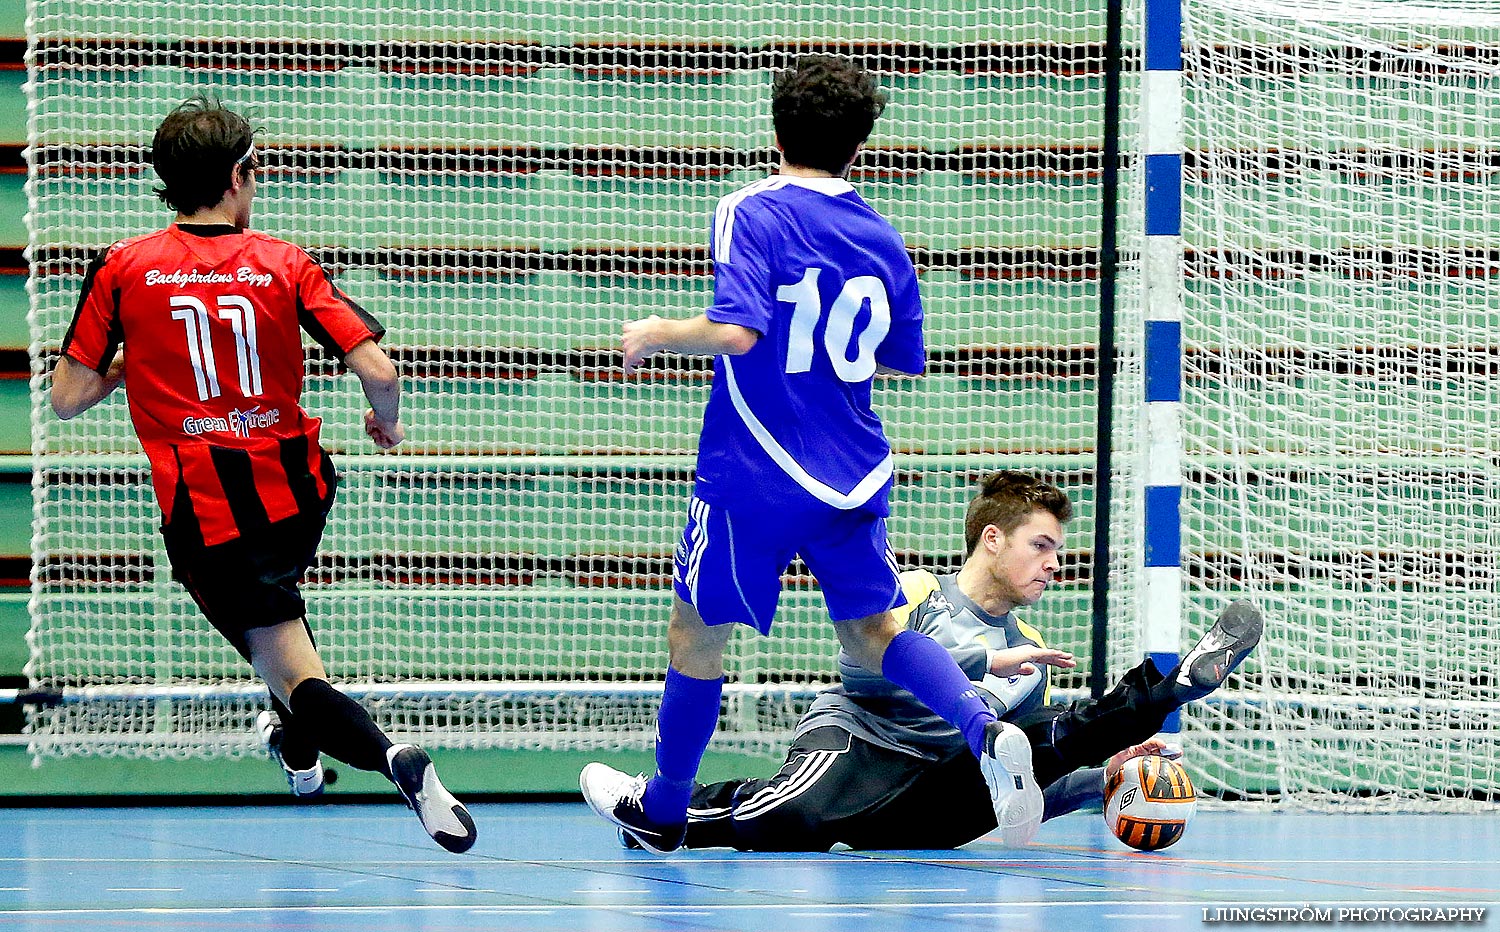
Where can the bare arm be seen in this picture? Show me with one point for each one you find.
(382, 386)
(76, 387)
(695, 336)
(1021, 661)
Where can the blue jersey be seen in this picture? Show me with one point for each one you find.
(827, 283)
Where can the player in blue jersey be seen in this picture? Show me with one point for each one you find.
(872, 768)
(813, 295)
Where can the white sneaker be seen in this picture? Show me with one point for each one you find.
(616, 797)
(1006, 765)
(442, 815)
(305, 784)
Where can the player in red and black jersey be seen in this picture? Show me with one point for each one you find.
(211, 313)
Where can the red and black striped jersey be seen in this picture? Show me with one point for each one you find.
(211, 318)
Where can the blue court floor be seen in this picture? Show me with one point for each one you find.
(557, 867)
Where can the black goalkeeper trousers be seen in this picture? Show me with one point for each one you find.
(837, 788)
(1086, 731)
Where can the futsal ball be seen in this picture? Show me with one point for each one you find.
(1149, 803)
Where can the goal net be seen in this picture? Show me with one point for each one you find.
(1342, 225)
(504, 185)
(504, 188)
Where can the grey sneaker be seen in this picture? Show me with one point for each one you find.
(1231, 639)
(305, 784)
(616, 797)
(443, 816)
(1006, 765)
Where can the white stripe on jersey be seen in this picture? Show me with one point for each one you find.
(724, 213)
(827, 494)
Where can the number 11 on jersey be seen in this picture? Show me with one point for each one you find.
(241, 316)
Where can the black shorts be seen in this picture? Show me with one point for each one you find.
(252, 581)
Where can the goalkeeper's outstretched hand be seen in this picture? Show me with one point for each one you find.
(1021, 661)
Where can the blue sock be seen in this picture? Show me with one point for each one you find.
(917, 663)
(684, 725)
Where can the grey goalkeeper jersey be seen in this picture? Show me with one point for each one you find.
(873, 708)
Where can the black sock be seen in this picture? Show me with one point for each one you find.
(298, 750)
(341, 726)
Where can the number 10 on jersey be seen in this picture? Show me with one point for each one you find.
(241, 316)
(807, 304)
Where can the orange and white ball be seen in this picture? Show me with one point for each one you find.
(1149, 803)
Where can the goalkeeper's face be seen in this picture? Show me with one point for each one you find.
(1025, 561)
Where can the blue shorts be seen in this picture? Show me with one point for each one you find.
(728, 565)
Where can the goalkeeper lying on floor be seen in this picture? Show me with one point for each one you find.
(872, 768)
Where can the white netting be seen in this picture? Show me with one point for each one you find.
(504, 188)
(1342, 217)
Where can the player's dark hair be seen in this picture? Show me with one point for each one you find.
(1007, 499)
(823, 107)
(195, 151)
